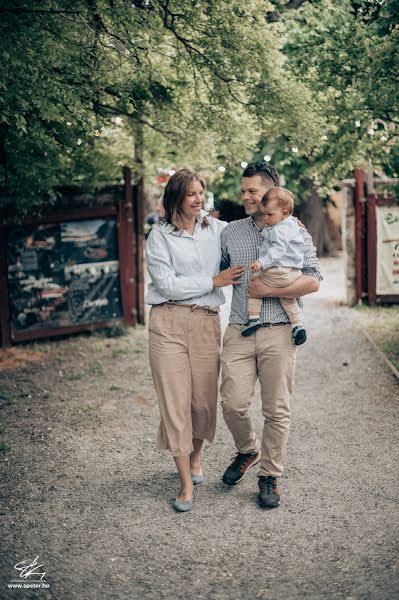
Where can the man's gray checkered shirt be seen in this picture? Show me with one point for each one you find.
(241, 241)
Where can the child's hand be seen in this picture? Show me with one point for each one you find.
(256, 266)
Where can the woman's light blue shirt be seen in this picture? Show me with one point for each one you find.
(181, 266)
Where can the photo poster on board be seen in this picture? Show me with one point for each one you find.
(387, 250)
(63, 274)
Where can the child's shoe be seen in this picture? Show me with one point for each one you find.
(251, 326)
(299, 335)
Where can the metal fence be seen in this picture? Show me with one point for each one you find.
(371, 238)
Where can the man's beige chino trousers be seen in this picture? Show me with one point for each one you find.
(269, 354)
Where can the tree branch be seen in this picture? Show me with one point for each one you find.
(22, 10)
(275, 15)
(187, 43)
(104, 109)
(100, 25)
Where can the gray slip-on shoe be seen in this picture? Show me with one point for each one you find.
(181, 506)
(197, 479)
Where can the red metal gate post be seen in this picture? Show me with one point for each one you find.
(359, 232)
(139, 206)
(5, 329)
(371, 240)
(127, 267)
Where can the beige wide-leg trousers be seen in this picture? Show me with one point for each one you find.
(184, 346)
(278, 277)
(269, 354)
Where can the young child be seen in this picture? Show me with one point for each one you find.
(280, 259)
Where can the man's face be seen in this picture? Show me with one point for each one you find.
(252, 191)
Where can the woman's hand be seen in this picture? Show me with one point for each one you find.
(228, 277)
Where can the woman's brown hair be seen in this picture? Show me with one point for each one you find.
(175, 191)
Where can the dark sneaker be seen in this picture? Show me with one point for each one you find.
(269, 494)
(299, 335)
(251, 327)
(239, 467)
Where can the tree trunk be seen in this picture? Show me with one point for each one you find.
(312, 215)
(3, 155)
(138, 167)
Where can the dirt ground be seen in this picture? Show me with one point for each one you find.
(84, 489)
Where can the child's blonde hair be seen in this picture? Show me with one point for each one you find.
(284, 198)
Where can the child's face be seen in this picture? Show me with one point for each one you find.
(273, 213)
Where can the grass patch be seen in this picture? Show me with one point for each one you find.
(89, 408)
(120, 352)
(77, 375)
(118, 329)
(382, 323)
(4, 447)
(38, 347)
(7, 398)
(97, 368)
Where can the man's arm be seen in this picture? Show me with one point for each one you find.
(305, 284)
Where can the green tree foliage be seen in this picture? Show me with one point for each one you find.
(346, 53)
(88, 85)
(47, 96)
(206, 78)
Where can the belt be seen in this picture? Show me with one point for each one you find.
(263, 324)
(212, 309)
(273, 324)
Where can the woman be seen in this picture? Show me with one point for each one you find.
(183, 256)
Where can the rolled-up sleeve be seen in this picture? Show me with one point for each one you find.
(170, 284)
(310, 261)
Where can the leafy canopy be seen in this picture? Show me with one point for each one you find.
(206, 78)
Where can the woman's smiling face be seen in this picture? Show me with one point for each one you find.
(193, 200)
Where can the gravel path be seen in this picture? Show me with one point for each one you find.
(84, 488)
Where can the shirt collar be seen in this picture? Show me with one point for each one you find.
(168, 228)
(252, 220)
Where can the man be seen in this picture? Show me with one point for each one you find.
(268, 353)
